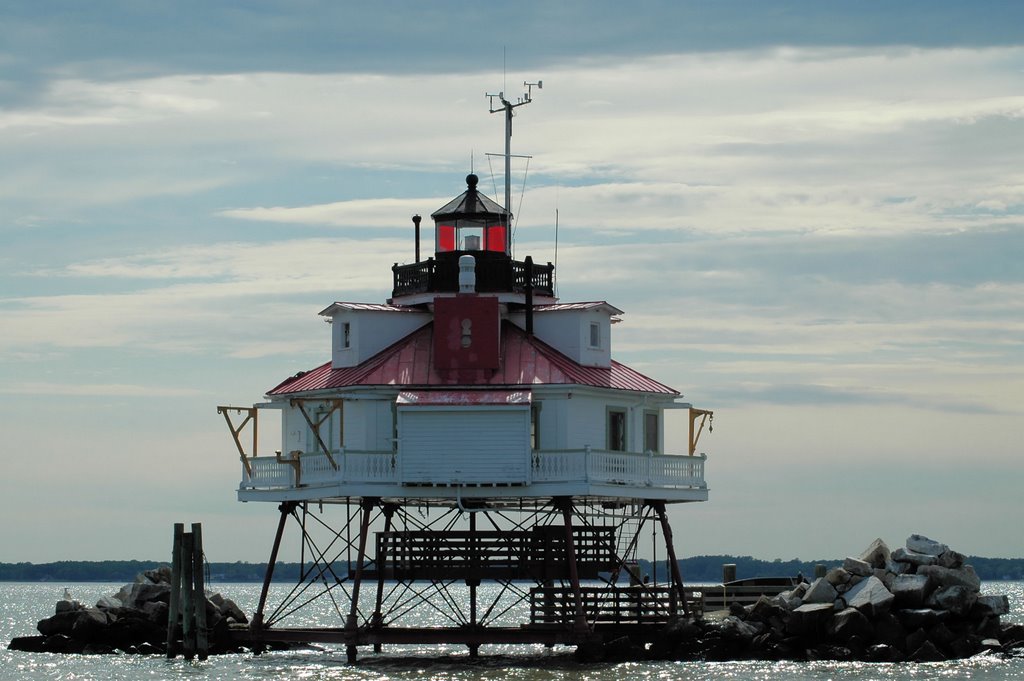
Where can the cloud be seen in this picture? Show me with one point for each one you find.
(798, 139)
(199, 298)
(812, 395)
(358, 213)
(38, 389)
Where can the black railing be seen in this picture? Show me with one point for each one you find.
(493, 275)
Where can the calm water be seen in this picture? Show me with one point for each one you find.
(22, 605)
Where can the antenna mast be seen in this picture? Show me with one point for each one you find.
(507, 107)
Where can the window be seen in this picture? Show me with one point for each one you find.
(617, 430)
(595, 334)
(535, 426)
(394, 430)
(651, 428)
(346, 334)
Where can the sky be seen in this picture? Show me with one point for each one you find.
(811, 212)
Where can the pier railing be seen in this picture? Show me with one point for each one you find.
(602, 605)
(314, 469)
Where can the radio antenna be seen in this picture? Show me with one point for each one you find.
(554, 284)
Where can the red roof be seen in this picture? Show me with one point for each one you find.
(368, 307)
(525, 361)
(590, 305)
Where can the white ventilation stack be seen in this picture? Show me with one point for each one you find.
(467, 274)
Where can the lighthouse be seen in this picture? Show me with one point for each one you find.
(470, 465)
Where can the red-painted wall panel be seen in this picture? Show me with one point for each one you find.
(467, 332)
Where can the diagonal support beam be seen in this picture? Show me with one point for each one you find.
(315, 427)
(706, 417)
(236, 432)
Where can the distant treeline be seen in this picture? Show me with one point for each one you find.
(126, 570)
(695, 569)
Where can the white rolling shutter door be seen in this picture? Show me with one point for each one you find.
(476, 445)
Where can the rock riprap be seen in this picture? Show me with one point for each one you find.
(919, 603)
(134, 620)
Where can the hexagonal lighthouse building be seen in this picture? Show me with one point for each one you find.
(471, 466)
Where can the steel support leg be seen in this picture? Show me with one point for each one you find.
(580, 622)
(377, 620)
(473, 582)
(673, 564)
(352, 624)
(256, 626)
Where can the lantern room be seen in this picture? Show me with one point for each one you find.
(470, 223)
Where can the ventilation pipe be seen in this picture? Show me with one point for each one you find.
(529, 295)
(416, 221)
(467, 274)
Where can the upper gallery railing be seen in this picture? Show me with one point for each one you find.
(493, 275)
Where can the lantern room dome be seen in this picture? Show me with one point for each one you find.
(471, 203)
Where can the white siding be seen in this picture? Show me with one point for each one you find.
(568, 331)
(553, 421)
(382, 436)
(369, 424)
(583, 427)
(601, 355)
(370, 331)
(587, 421)
(473, 445)
(293, 431)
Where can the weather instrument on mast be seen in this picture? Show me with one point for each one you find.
(507, 107)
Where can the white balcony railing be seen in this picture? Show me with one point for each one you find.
(625, 468)
(548, 466)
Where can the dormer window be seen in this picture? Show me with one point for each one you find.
(595, 334)
(346, 334)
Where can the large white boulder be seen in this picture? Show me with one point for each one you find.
(876, 554)
(838, 577)
(820, 591)
(951, 559)
(910, 590)
(792, 598)
(994, 605)
(870, 597)
(857, 567)
(809, 618)
(956, 599)
(919, 543)
(108, 603)
(913, 557)
(963, 576)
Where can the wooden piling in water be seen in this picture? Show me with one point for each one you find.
(199, 592)
(174, 607)
(188, 636)
(188, 596)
